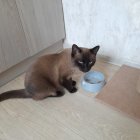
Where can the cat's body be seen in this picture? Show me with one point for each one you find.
(50, 74)
(47, 74)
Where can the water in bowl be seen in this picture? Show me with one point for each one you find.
(93, 80)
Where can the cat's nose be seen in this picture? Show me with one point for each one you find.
(85, 69)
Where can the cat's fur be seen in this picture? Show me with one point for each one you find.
(50, 74)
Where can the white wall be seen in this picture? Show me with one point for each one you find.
(113, 24)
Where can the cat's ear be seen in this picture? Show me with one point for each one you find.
(75, 50)
(95, 50)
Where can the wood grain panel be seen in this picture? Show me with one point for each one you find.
(71, 117)
(42, 21)
(12, 37)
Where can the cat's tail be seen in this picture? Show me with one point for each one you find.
(21, 93)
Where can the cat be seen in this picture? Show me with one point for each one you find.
(50, 74)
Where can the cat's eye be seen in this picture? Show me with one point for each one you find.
(81, 62)
(90, 62)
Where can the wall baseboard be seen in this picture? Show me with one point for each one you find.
(118, 62)
(20, 68)
(107, 59)
(132, 64)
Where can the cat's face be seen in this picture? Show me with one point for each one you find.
(84, 58)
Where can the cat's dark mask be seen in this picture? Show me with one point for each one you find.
(84, 58)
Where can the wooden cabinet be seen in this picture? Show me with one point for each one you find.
(27, 27)
(13, 44)
(42, 22)
(2, 60)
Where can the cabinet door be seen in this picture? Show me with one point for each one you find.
(42, 21)
(13, 43)
(2, 60)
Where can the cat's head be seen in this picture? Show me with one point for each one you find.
(84, 58)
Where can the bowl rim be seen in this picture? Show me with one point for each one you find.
(100, 82)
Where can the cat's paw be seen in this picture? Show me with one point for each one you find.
(60, 93)
(73, 90)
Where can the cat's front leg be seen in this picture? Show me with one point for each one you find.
(69, 84)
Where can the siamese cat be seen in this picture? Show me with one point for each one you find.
(51, 74)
